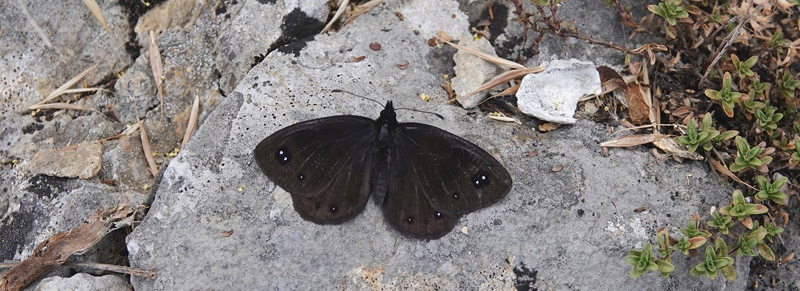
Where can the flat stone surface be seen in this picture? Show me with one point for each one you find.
(82, 160)
(216, 219)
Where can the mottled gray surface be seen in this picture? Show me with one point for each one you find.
(556, 230)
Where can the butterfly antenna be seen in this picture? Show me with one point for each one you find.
(421, 111)
(367, 98)
(354, 94)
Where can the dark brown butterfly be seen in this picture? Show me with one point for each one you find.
(424, 178)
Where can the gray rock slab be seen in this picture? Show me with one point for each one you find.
(218, 223)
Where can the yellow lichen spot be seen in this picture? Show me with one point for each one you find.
(558, 105)
(146, 186)
(174, 152)
(446, 76)
(241, 188)
(424, 97)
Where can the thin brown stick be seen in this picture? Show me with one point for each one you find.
(729, 39)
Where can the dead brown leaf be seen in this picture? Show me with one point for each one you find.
(557, 168)
(226, 233)
(54, 252)
(402, 66)
(610, 80)
(632, 140)
(638, 102)
(669, 146)
(399, 15)
(640, 209)
(357, 59)
(548, 126)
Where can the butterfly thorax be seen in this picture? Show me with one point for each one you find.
(385, 126)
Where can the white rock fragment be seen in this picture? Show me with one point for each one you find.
(553, 94)
(472, 71)
(83, 281)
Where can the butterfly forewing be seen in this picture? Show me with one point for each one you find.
(325, 164)
(303, 158)
(457, 175)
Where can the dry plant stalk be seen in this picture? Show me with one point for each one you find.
(361, 9)
(342, 7)
(53, 252)
(148, 153)
(95, 9)
(489, 58)
(66, 106)
(192, 121)
(63, 89)
(33, 23)
(157, 67)
(505, 77)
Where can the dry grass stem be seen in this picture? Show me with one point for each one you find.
(361, 9)
(342, 7)
(148, 153)
(505, 77)
(489, 58)
(192, 121)
(33, 23)
(95, 9)
(61, 90)
(157, 68)
(66, 106)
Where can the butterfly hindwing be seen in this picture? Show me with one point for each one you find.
(458, 176)
(406, 207)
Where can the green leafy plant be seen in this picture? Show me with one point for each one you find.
(794, 159)
(684, 245)
(768, 119)
(777, 41)
(744, 68)
(670, 10)
(758, 89)
(722, 223)
(748, 157)
(725, 95)
(711, 265)
(729, 271)
(693, 229)
(771, 191)
(643, 261)
(755, 239)
(694, 138)
(772, 229)
(787, 85)
(740, 209)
